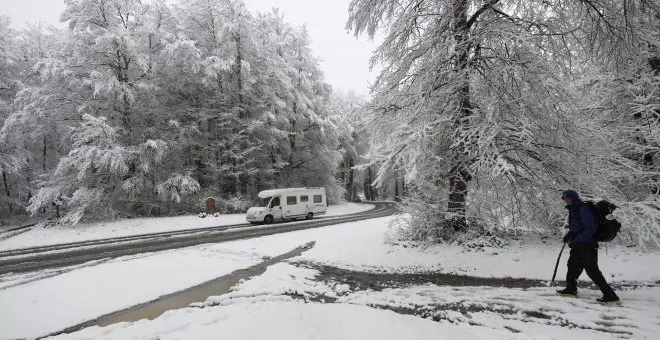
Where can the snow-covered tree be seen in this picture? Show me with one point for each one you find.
(9, 85)
(23, 140)
(348, 112)
(621, 91)
(480, 105)
(109, 71)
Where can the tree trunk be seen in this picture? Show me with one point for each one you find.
(459, 175)
(121, 74)
(457, 197)
(292, 144)
(28, 180)
(239, 89)
(44, 152)
(349, 180)
(367, 185)
(396, 187)
(342, 171)
(239, 73)
(5, 182)
(370, 192)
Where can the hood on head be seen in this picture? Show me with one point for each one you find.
(574, 196)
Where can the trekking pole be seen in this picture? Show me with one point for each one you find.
(557, 265)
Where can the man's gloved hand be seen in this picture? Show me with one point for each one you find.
(568, 237)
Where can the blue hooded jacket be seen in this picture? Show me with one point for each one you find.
(581, 221)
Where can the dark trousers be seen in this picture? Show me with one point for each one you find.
(585, 257)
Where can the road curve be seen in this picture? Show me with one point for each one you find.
(62, 255)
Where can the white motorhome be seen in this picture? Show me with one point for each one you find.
(288, 204)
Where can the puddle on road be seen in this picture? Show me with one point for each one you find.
(182, 299)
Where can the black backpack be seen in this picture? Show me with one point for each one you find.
(606, 230)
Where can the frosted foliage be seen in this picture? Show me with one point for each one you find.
(175, 186)
(95, 150)
(645, 215)
(44, 198)
(235, 204)
(516, 101)
(81, 200)
(149, 106)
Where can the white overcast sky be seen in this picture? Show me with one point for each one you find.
(345, 59)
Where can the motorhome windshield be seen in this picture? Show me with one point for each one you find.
(263, 202)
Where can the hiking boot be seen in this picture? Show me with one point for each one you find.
(609, 300)
(567, 292)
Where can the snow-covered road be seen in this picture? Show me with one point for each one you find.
(43, 236)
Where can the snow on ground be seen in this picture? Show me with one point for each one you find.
(36, 306)
(257, 310)
(289, 320)
(39, 307)
(41, 236)
(362, 246)
(286, 302)
(537, 312)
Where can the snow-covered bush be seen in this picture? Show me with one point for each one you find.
(176, 186)
(234, 204)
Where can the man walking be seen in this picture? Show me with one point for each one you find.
(584, 250)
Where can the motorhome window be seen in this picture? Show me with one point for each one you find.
(318, 198)
(291, 200)
(304, 199)
(275, 202)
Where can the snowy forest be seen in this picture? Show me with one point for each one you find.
(147, 108)
(485, 110)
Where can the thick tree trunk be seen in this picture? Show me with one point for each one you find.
(370, 193)
(458, 197)
(459, 175)
(367, 185)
